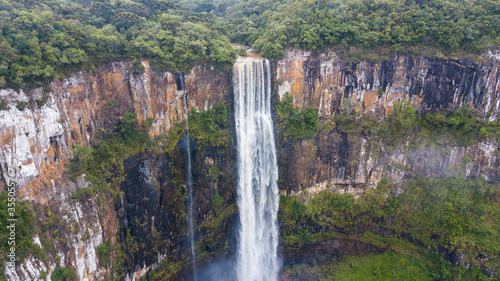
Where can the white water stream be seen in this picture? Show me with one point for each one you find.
(189, 180)
(258, 197)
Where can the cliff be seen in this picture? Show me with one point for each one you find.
(324, 80)
(37, 140)
(350, 159)
(353, 162)
(37, 143)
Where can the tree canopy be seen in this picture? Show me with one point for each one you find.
(271, 25)
(46, 39)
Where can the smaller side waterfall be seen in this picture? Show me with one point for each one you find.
(189, 178)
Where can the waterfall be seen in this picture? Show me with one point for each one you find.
(258, 197)
(189, 179)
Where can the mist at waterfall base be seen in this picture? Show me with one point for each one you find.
(257, 233)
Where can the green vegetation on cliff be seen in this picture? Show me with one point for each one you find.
(103, 162)
(206, 127)
(296, 124)
(103, 166)
(46, 39)
(452, 217)
(62, 274)
(462, 127)
(23, 229)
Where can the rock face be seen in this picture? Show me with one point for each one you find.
(349, 163)
(154, 210)
(325, 80)
(37, 141)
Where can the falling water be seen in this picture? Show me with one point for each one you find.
(189, 179)
(258, 198)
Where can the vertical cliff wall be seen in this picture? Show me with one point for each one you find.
(352, 162)
(325, 80)
(36, 142)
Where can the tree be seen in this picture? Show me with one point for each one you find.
(62, 274)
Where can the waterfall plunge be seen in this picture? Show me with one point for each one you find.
(258, 198)
(189, 179)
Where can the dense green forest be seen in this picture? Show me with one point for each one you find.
(402, 26)
(47, 39)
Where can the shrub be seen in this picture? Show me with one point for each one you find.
(137, 68)
(112, 104)
(62, 274)
(148, 123)
(207, 126)
(217, 202)
(297, 124)
(41, 101)
(3, 106)
(103, 252)
(21, 105)
(24, 226)
(128, 125)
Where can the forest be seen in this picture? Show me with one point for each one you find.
(46, 39)
(400, 26)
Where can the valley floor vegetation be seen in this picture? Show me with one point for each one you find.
(431, 219)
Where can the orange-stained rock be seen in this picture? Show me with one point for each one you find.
(324, 81)
(77, 107)
(350, 163)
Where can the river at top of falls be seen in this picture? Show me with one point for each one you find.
(258, 197)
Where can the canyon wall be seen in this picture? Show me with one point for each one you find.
(36, 142)
(325, 80)
(353, 162)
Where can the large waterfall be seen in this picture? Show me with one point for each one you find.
(258, 198)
